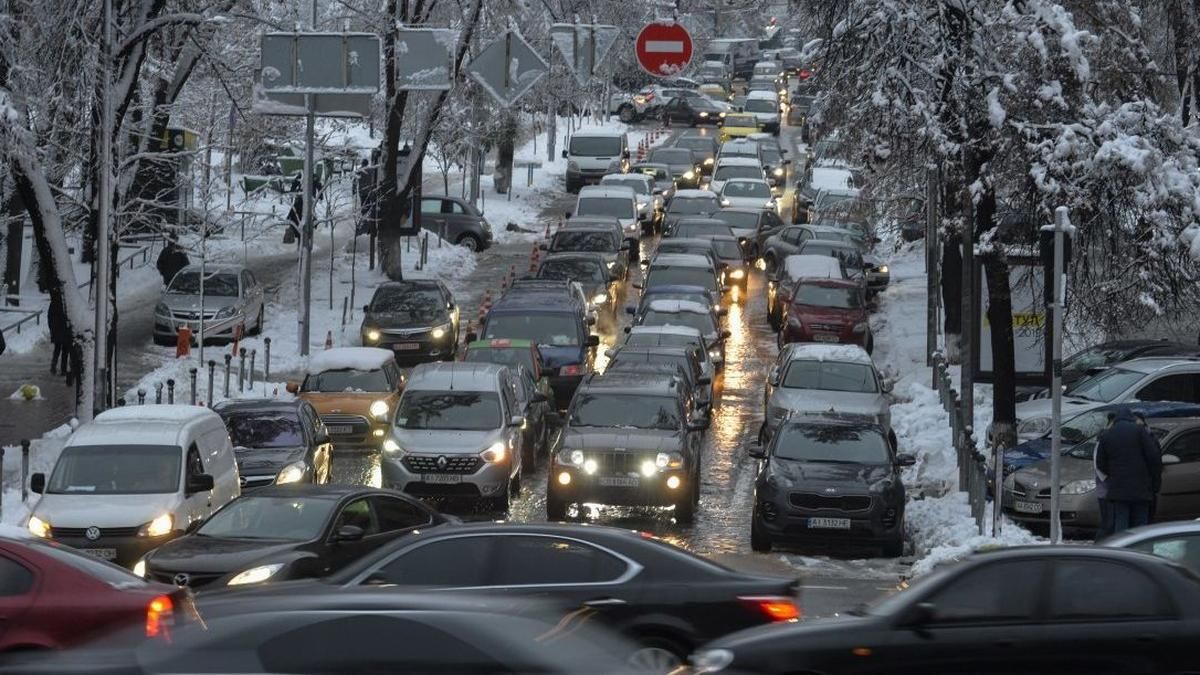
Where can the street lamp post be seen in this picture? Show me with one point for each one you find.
(1061, 228)
(102, 385)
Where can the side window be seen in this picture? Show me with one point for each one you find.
(1181, 387)
(989, 594)
(459, 561)
(431, 206)
(1098, 590)
(1186, 447)
(195, 465)
(452, 207)
(550, 560)
(1181, 548)
(253, 279)
(397, 514)
(15, 578)
(359, 514)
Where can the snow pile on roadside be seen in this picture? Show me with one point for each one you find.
(43, 453)
(942, 530)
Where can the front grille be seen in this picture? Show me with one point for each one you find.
(82, 532)
(454, 463)
(250, 482)
(829, 327)
(192, 316)
(412, 335)
(619, 462)
(359, 426)
(808, 500)
(193, 580)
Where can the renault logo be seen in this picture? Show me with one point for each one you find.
(181, 579)
(92, 533)
(442, 462)
(831, 491)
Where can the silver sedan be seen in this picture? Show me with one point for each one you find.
(232, 297)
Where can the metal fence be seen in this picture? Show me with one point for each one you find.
(972, 463)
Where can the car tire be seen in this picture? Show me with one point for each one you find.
(657, 655)
(258, 323)
(528, 458)
(470, 242)
(627, 114)
(760, 541)
(685, 509)
(894, 548)
(514, 484)
(556, 508)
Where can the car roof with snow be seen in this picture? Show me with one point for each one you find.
(606, 191)
(813, 267)
(678, 307)
(738, 160)
(593, 221)
(831, 178)
(622, 178)
(158, 424)
(681, 260)
(734, 181)
(349, 358)
(762, 95)
(622, 381)
(666, 329)
(454, 376)
(1153, 364)
(694, 194)
(597, 133)
(815, 351)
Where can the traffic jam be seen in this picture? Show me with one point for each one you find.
(664, 448)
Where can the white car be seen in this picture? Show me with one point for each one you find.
(752, 193)
(649, 198)
(730, 168)
(617, 201)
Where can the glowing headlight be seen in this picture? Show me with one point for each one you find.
(725, 202)
(373, 335)
(611, 264)
(600, 298)
(39, 527)
(703, 114)
(256, 575)
(689, 175)
(496, 453)
(714, 354)
(570, 457)
(1079, 487)
(439, 332)
(883, 269)
(668, 460)
(139, 568)
(392, 446)
(291, 473)
(379, 409)
(159, 527)
(738, 274)
(708, 161)
(590, 466)
(648, 468)
(778, 171)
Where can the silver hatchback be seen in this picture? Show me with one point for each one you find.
(232, 297)
(826, 380)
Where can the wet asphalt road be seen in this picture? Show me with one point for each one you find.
(722, 526)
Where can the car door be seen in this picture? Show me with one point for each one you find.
(17, 591)
(432, 216)
(459, 562)
(398, 517)
(358, 513)
(675, 110)
(1179, 497)
(320, 453)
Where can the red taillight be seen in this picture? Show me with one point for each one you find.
(575, 369)
(774, 607)
(804, 74)
(160, 616)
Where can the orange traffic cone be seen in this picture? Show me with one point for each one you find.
(237, 338)
(329, 339)
(183, 342)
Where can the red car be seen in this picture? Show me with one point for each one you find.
(52, 596)
(827, 310)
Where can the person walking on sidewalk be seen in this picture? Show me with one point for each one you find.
(170, 261)
(1128, 458)
(60, 336)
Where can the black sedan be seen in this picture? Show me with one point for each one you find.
(417, 319)
(287, 532)
(692, 111)
(1062, 609)
(684, 166)
(829, 481)
(277, 441)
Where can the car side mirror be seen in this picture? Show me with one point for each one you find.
(772, 182)
(564, 154)
(637, 286)
(516, 420)
(658, 191)
(37, 483)
(787, 162)
(591, 320)
(905, 459)
(293, 387)
(773, 376)
(625, 153)
(201, 482)
(756, 451)
(593, 340)
(366, 309)
(610, 352)
(887, 386)
(922, 614)
(1170, 459)
(348, 533)
(696, 424)
(193, 526)
(322, 437)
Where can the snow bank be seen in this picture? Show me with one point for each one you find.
(942, 530)
(43, 453)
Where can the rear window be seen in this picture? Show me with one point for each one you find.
(596, 146)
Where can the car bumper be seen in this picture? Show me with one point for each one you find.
(807, 334)
(791, 525)
(124, 551)
(640, 491)
(355, 432)
(168, 327)
(1081, 512)
(411, 351)
(586, 176)
(486, 480)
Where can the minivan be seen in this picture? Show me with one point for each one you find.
(134, 478)
(592, 154)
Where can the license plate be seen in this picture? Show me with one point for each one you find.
(102, 553)
(406, 346)
(1027, 507)
(829, 523)
(822, 337)
(442, 478)
(339, 428)
(620, 481)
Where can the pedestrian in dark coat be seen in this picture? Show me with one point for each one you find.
(170, 261)
(1128, 457)
(1106, 516)
(60, 335)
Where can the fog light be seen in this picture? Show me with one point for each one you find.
(673, 482)
(648, 468)
(564, 478)
(378, 432)
(590, 466)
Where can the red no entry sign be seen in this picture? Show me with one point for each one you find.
(664, 49)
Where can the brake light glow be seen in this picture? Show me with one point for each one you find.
(774, 607)
(573, 369)
(804, 74)
(160, 616)
(501, 342)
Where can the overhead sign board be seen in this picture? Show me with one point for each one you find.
(323, 105)
(507, 68)
(320, 63)
(425, 58)
(583, 46)
(664, 49)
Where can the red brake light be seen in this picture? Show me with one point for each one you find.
(160, 616)
(501, 342)
(574, 369)
(804, 74)
(774, 607)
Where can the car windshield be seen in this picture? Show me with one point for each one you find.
(834, 444)
(655, 173)
(619, 207)
(738, 219)
(117, 470)
(681, 276)
(694, 206)
(693, 230)
(457, 410)
(727, 249)
(1100, 356)
(740, 120)
(677, 246)
(1085, 426)
(219, 285)
(746, 189)
(1105, 386)
(558, 330)
(639, 186)
(760, 105)
(813, 295)
(728, 172)
(703, 146)
(672, 156)
(571, 270)
(697, 296)
(701, 322)
(625, 411)
(347, 380)
(831, 376)
(277, 518)
(504, 357)
(263, 430)
(604, 242)
(595, 146)
(662, 340)
(410, 306)
(770, 153)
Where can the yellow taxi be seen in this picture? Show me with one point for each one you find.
(738, 125)
(714, 91)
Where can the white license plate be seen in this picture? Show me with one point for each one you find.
(102, 553)
(823, 337)
(829, 523)
(339, 428)
(406, 346)
(1027, 507)
(442, 478)
(620, 481)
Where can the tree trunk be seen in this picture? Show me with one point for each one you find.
(502, 176)
(952, 295)
(1004, 363)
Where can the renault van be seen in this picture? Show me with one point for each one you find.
(134, 478)
(591, 155)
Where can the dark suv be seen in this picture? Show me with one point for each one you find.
(628, 440)
(416, 319)
(828, 481)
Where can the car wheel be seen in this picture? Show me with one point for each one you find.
(470, 242)
(685, 509)
(627, 114)
(760, 542)
(528, 457)
(656, 655)
(556, 508)
(514, 484)
(258, 323)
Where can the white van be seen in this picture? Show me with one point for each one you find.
(591, 155)
(738, 54)
(134, 478)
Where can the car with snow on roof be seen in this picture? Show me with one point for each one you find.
(355, 390)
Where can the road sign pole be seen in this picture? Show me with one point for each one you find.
(306, 233)
(1061, 226)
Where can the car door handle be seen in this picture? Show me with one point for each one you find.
(604, 602)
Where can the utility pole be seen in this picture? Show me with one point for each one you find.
(967, 351)
(102, 386)
(932, 273)
(306, 233)
(1061, 228)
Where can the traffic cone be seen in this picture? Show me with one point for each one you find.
(328, 339)
(237, 338)
(183, 342)
(547, 235)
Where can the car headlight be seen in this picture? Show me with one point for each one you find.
(38, 527)
(883, 269)
(739, 273)
(162, 310)
(373, 335)
(725, 202)
(714, 354)
(690, 175)
(1010, 481)
(291, 473)
(1034, 426)
(225, 312)
(570, 457)
(379, 409)
(390, 446)
(600, 298)
(255, 575)
(860, 327)
(703, 114)
(778, 171)
(708, 161)
(440, 332)
(712, 660)
(1079, 487)
(139, 568)
(159, 527)
(496, 453)
(722, 115)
